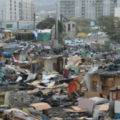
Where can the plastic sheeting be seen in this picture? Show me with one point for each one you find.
(7, 54)
(88, 80)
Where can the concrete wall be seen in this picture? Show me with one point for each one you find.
(117, 12)
(14, 10)
(17, 25)
(49, 64)
(90, 9)
(66, 8)
(70, 30)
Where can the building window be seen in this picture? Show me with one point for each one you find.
(69, 27)
(9, 26)
(73, 25)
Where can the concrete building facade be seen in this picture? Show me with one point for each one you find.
(70, 29)
(28, 10)
(66, 8)
(109, 7)
(118, 3)
(117, 9)
(105, 7)
(117, 12)
(90, 9)
(16, 10)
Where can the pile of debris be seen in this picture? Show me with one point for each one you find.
(41, 83)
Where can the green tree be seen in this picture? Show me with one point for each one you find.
(111, 26)
(60, 31)
(46, 24)
(49, 23)
(60, 27)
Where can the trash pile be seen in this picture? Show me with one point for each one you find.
(68, 83)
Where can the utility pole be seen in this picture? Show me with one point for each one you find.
(34, 21)
(57, 20)
(18, 25)
(2, 18)
(2, 15)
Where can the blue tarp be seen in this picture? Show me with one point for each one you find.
(35, 34)
(1, 77)
(2, 64)
(7, 54)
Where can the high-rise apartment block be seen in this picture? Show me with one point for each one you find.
(16, 10)
(90, 9)
(67, 8)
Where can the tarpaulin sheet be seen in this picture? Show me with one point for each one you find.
(44, 36)
(7, 54)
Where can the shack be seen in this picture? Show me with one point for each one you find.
(53, 63)
(8, 34)
(44, 35)
(4, 98)
(76, 65)
(104, 79)
(25, 35)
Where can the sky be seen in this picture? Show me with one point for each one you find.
(46, 5)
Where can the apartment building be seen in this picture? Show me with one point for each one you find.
(66, 8)
(16, 10)
(90, 9)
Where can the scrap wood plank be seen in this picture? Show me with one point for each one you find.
(47, 89)
(70, 110)
(51, 85)
(54, 87)
(56, 118)
(33, 91)
(75, 110)
(35, 83)
(82, 118)
(78, 109)
(37, 118)
(91, 94)
(104, 107)
(41, 106)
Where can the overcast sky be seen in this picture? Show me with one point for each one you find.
(45, 4)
